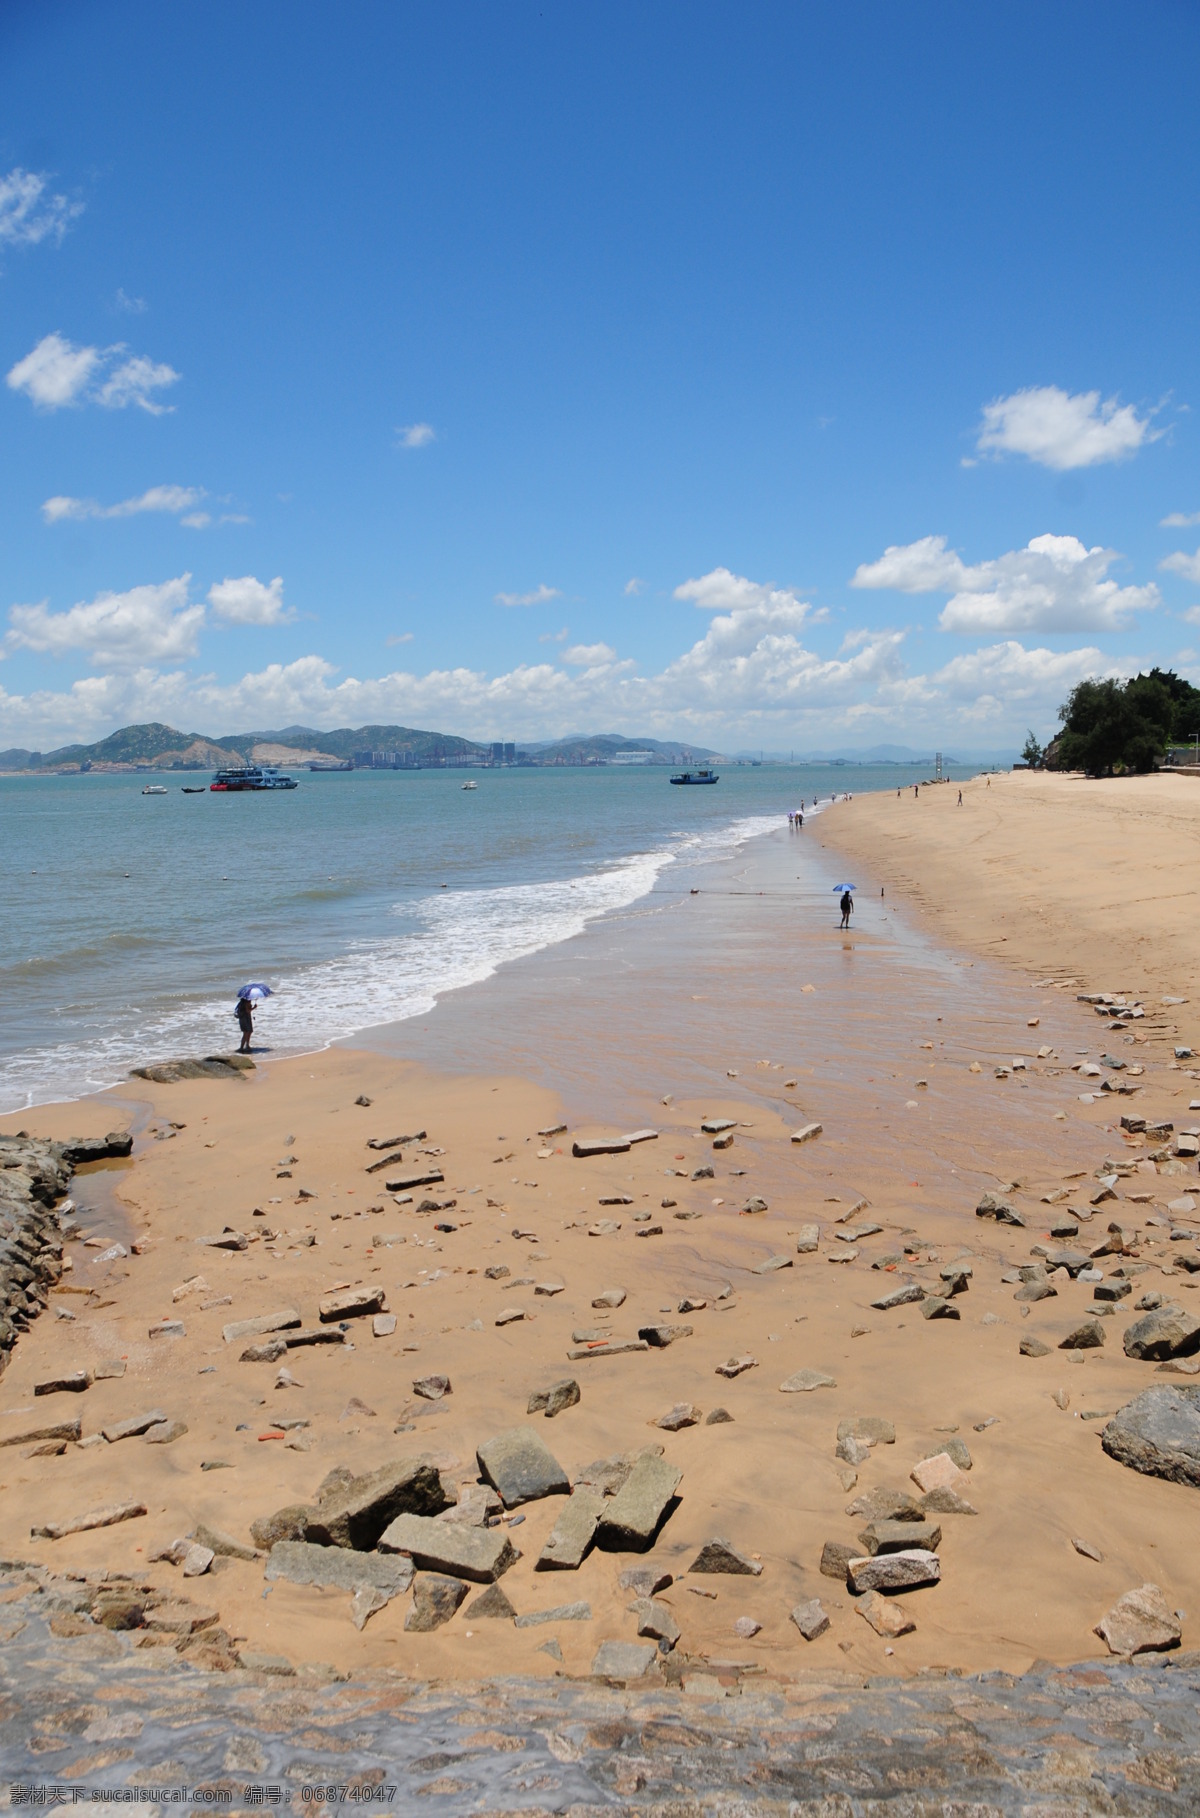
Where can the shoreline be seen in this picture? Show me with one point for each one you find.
(683, 1000)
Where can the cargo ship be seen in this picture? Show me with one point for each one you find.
(251, 776)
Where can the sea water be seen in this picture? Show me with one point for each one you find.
(129, 922)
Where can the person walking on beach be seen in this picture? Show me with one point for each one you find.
(847, 907)
(960, 798)
(245, 1018)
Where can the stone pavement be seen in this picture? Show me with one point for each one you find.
(94, 1711)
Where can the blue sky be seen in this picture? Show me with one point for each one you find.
(701, 370)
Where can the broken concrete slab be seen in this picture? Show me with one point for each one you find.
(868, 1429)
(453, 1547)
(520, 1467)
(60, 1429)
(657, 1620)
(662, 1336)
(632, 1518)
(900, 1571)
(810, 1619)
(886, 1618)
(623, 1660)
(808, 1238)
(355, 1514)
(806, 1133)
(71, 1382)
(415, 1177)
(105, 1517)
(900, 1536)
(435, 1599)
(805, 1381)
(554, 1400)
(573, 1533)
(261, 1325)
(901, 1296)
(599, 1145)
(351, 1303)
(302, 1563)
(616, 1347)
(721, 1556)
(134, 1426)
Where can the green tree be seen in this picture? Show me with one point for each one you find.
(1031, 751)
(1111, 725)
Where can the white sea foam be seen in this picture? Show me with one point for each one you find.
(452, 940)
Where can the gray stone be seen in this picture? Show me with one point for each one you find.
(616, 1347)
(1117, 1290)
(945, 1501)
(492, 1604)
(835, 1559)
(301, 1563)
(954, 1280)
(899, 1296)
(936, 1307)
(806, 1133)
(555, 1399)
(453, 1547)
(900, 1571)
(992, 1206)
(1087, 1337)
(657, 1621)
(573, 1532)
(645, 1580)
(958, 1450)
(351, 1303)
(261, 1325)
(884, 1504)
(632, 1517)
(432, 1388)
(62, 1429)
(435, 1600)
(562, 1612)
(613, 1145)
(720, 1555)
(808, 1238)
(900, 1536)
(868, 1429)
(805, 1381)
(520, 1467)
(1158, 1433)
(683, 1414)
(1165, 1332)
(288, 1523)
(1033, 1347)
(1141, 1622)
(221, 1543)
(105, 1517)
(415, 1177)
(73, 1382)
(165, 1432)
(1038, 1289)
(269, 1351)
(662, 1336)
(810, 1619)
(135, 1425)
(623, 1659)
(610, 1297)
(772, 1264)
(497, 1271)
(718, 1417)
(356, 1514)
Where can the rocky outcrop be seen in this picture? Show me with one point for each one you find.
(34, 1178)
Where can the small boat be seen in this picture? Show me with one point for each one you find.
(470, 785)
(197, 789)
(154, 789)
(239, 777)
(696, 776)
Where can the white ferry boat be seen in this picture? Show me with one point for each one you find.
(251, 776)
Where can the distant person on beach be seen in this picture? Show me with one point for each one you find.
(245, 1018)
(799, 817)
(847, 907)
(960, 798)
(916, 790)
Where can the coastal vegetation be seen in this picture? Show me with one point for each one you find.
(1110, 726)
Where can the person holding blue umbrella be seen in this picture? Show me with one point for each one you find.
(246, 997)
(847, 904)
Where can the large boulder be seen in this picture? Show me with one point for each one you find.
(356, 1514)
(1165, 1332)
(1158, 1433)
(520, 1467)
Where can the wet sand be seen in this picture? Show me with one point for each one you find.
(716, 1001)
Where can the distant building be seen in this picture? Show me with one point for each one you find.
(362, 760)
(632, 757)
(510, 752)
(498, 751)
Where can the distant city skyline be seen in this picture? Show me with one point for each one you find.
(766, 377)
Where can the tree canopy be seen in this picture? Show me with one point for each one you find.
(1109, 725)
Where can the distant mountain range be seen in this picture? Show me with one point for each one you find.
(160, 747)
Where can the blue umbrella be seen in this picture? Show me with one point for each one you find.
(838, 887)
(254, 994)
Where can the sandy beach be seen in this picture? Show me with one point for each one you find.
(937, 1075)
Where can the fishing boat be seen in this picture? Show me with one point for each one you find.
(470, 785)
(154, 789)
(696, 776)
(240, 777)
(195, 789)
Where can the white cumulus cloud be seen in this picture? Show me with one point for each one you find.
(415, 435)
(587, 656)
(540, 596)
(146, 625)
(248, 601)
(1182, 563)
(58, 373)
(1061, 430)
(28, 214)
(172, 499)
(723, 591)
(1179, 520)
(1053, 584)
